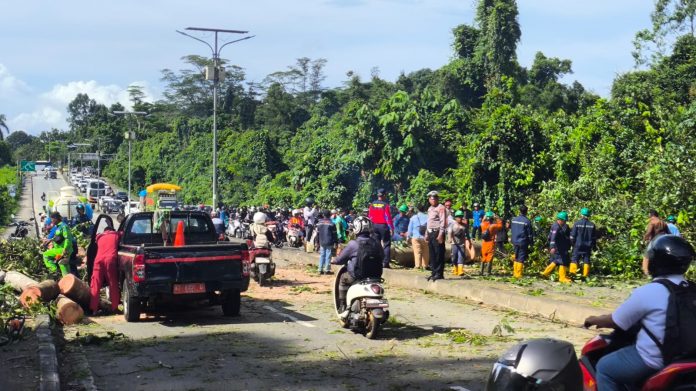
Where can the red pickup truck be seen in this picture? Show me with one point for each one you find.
(152, 270)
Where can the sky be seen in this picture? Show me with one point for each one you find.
(51, 51)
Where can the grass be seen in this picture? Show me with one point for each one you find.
(535, 292)
(296, 290)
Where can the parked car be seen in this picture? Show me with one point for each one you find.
(152, 272)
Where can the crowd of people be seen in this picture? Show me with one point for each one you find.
(432, 228)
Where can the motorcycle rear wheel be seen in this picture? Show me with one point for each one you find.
(372, 327)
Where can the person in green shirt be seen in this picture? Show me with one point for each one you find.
(341, 224)
(59, 255)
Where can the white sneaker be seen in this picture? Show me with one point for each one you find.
(344, 314)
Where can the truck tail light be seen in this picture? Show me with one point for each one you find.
(139, 268)
(246, 263)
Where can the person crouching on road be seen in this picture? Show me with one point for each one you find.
(401, 224)
(58, 257)
(583, 236)
(364, 246)
(489, 231)
(559, 244)
(328, 240)
(263, 237)
(522, 236)
(106, 268)
(417, 229)
(458, 234)
(436, 227)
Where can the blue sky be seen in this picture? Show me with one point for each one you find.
(50, 51)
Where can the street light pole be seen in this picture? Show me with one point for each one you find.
(216, 79)
(130, 136)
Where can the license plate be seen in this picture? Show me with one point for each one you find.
(376, 303)
(263, 260)
(185, 289)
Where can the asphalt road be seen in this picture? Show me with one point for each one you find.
(287, 338)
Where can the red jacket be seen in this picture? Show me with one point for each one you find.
(107, 245)
(379, 213)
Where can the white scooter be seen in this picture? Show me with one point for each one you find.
(367, 308)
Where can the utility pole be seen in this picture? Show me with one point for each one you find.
(215, 74)
(130, 136)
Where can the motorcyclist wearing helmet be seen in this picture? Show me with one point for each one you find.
(559, 245)
(669, 257)
(81, 218)
(263, 237)
(362, 227)
(583, 236)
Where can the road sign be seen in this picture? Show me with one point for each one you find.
(89, 156)
(27, 165)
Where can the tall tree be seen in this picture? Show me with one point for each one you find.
(3, 125)
(500, 34)
(669, 18)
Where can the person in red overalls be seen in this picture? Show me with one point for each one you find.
(106, 267)
(380, 215)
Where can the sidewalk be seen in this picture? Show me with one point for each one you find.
(567, 303)
(25, 211)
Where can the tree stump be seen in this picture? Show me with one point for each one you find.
(67, 311)
(75, 289)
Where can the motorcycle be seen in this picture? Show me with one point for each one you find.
(275, 228)
(294, 236)
(367, 309)
(549, 364)
(262, 265)
(21, 229)
(676, 376)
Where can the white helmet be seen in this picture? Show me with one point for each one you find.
(296, 212)
(259, 217)
(362, 225)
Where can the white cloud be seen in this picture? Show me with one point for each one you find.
(9, 84)
(44, 118)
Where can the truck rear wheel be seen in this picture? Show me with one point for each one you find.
(231, 302)
(131, 305)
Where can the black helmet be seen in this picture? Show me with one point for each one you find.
(309, 201)
(669, 254)
(537, 364)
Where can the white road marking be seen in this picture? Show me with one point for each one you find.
(294, 319)
(458, 388)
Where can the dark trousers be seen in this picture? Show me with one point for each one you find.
(476, 232)
(344, 283)
(437, 255)
(383, 234)
(521, 252)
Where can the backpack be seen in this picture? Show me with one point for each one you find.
(680, 338)
(369, 260)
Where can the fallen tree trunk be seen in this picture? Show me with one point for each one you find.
(45, 291)
(404, 255)
(75, 289)
(18, 281)
(67, 311)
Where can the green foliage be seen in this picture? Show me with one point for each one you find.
(8, 176)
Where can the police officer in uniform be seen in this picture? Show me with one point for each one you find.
(522, 236)
(583, 236)
(380, 214)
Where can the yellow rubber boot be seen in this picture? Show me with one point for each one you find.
(585, 270)
(454, 269)
(549, 269)
(460, 270)
(517, 268)
(562, 277)
(573, 268)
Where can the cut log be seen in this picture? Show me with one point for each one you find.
(67, 311)
(45, 291)
(75, 289)
(18, 281)
(404, 255)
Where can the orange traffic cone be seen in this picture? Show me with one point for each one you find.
(179, 237)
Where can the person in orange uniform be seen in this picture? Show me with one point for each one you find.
(106, 268)
(489, 228)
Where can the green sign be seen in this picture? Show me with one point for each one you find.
(27, 165)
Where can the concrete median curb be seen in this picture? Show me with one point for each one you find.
(552, 308)
(49, 379)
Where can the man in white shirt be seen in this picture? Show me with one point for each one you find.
(669, 257)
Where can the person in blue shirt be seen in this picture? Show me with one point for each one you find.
(477, 217)
(522, 237)
(417, 226)
(671, 225)
(401, 223)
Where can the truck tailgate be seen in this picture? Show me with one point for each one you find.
(205, 263)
